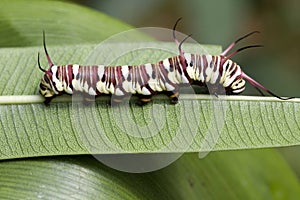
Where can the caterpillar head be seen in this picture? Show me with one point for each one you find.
(46, 84)
(46, 87)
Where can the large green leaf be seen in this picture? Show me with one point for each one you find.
(223, 175)
(22, 23)
(29, 128)
(73, 128)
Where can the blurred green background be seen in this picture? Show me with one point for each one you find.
(220, 22)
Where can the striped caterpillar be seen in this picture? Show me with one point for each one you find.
(165, 76)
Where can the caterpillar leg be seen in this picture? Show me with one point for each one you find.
(88, 99)
(173, 95)
(216, 89)
(48, 100)
(144, 99)
(82, 97)
(116, 100)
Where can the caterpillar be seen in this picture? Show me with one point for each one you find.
(165, 76)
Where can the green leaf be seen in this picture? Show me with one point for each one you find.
(22, 23)
(222, 175)
(35, 130)
(251, 174)
(69, 178)
(67, 127)
(29, 128)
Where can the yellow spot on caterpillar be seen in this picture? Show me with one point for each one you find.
(145, 100)
(174, 95)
